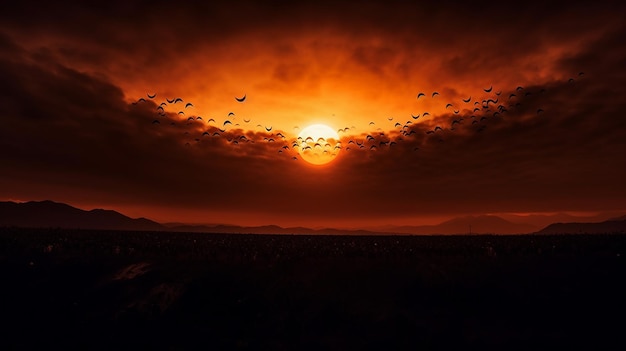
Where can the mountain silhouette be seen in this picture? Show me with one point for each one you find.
(50, 214)
(611, 226)
(486, 224)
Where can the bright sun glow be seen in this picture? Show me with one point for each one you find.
(318, 144)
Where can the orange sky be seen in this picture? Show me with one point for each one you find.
(73, 132)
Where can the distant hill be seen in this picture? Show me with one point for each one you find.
(461, 225)
(269, 229)
(543, 220)
(611, 226)
(49, 214)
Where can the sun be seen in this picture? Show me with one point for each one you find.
(318, 144)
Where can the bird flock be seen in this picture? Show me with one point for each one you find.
(416, 130)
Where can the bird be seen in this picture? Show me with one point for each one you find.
(438, 128)
(449, 105)
(246, 120)
(268, 129)
(211, 120)
(415, 117)
(425, 114)
(170, 101)
(467, 100)
(434, 93)
(390, 118)
(241, 99)
(230, 114)
(189, 104)
(372, 123)
(140, 100)
(151, 96)
(488, 90)
(178, 100)
(156, 121)
(227, 122)
(420, 95)
(512, 96)
(519, 88)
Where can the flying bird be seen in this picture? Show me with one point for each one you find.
(415, 117)
(241, 99)
(178, 100)
(449, 105)
(230, 114)
(420, 95)
(189, 104)
(246, 120)
(435, 93)
(227, 122)
(151, 96)
(268, 129)
(467, 100)
(488, 90)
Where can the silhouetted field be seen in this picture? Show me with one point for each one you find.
(155, 290)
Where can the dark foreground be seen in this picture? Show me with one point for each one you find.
(141, 290)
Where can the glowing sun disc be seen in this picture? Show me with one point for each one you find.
(318, 144)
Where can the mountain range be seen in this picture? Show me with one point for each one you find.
(50, 214)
